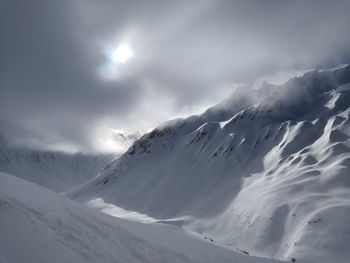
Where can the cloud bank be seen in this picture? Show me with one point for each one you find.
(60, 90)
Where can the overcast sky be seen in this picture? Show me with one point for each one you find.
(61, 89)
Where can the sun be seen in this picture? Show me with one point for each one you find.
(122, 54)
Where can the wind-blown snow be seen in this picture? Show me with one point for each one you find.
(268, 174)
(40, 226)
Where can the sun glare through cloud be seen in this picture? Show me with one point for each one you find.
(122, 53)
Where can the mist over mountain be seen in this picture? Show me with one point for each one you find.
(63, 87)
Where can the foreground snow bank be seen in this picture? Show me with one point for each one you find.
(37, 225)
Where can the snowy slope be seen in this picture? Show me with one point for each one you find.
(269, 176)
(38, 225)
(57, 171)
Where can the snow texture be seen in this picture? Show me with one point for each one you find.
(38, 225)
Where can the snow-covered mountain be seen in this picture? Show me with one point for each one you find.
(38, 225)
(57, 171)
(265, 172)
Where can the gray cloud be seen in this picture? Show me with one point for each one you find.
(188, 55)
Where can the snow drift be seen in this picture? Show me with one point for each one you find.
(266, 171)
(38, 225)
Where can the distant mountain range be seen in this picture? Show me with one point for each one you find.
(57, 171)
